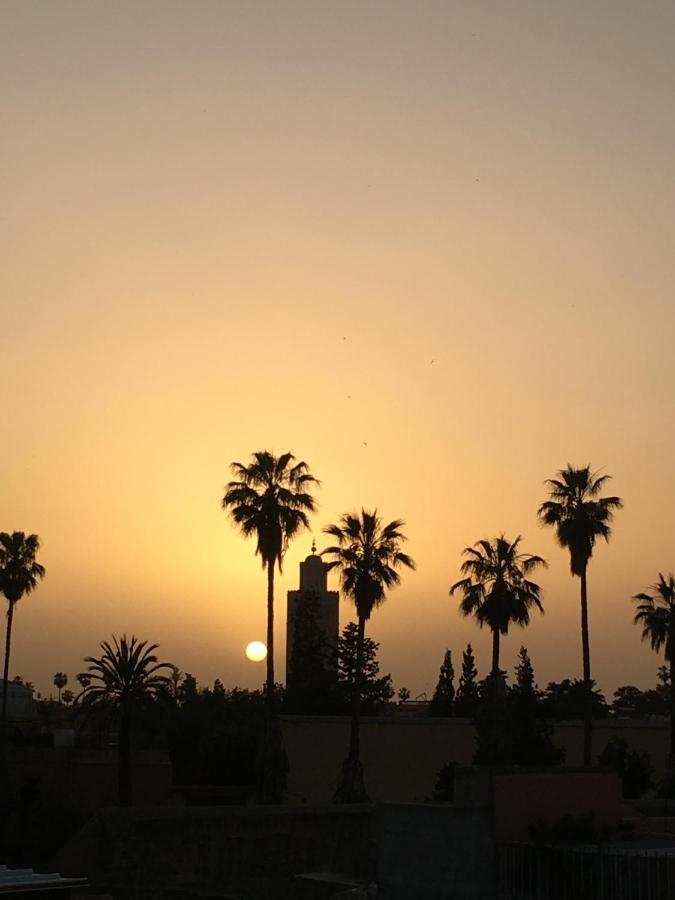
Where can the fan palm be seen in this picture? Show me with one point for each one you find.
(656, 613)
(580, 516)
(496, 590)
(269, 499)
(124, 677)
(367, 555)
(19, 575)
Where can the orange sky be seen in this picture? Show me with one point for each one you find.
(230, 226)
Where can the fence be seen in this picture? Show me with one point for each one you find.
(529, 872)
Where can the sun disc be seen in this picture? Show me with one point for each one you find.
(256, 651)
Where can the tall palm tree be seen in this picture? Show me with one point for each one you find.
(367, 555)
(580, 515)
(656, 613)
(496, 590)
(270, 499)
(19, 575)
(124, 677)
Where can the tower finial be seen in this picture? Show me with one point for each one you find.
(313, 545)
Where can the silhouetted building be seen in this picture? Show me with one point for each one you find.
(314, 579)
(20, 706)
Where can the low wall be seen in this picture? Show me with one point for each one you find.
(402, 756)
(254, 851)
(87, 779)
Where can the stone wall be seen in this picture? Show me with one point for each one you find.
(253, 851)
(402, 756)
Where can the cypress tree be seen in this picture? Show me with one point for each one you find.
(442, 703)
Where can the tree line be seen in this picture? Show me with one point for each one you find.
(271, 498)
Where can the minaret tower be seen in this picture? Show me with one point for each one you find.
(314, 578)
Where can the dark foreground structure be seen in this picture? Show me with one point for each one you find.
(477, 847)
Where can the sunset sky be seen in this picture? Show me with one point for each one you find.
(426, 246)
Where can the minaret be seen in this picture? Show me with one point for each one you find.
(314, 578)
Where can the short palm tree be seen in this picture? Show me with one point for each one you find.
(656, 613)
(60, 681)
(270, 500)
(19, 575)
(123, 678)
(496, 590)
(367, 555)
(580, 515)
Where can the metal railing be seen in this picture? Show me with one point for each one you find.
(530, 872)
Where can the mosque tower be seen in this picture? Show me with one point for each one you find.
(314, 578)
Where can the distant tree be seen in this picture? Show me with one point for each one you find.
(124, 678)
(656, 614)
(83, 679)
(68, 697)
(496, 590)
(270, 499)
(531, 737)
(627, 700)
(175, 678)
(467, 699)
(635, 769)
(566, 699)
(312, 681)
(367, 554)
(580, 515)
(60, 681)
(443, 700)
(403, 694)
(525, 673)
(376, 690)
(19, 576)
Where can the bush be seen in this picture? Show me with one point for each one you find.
(635, 769)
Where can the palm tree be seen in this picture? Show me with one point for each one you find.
(123, 678)
(367, 555)
(19, 575)
(496, 590)
(580, 515)
(60, 681)
(269, 499)
(656, 613)
(84, 680)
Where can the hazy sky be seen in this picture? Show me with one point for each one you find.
(427, 246)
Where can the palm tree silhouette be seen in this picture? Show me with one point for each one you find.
(496, 590)
(123, 678)
(270, 499)
(367, 555)
(580, 515)
(656, 613)
(19, 575)
(60, 681)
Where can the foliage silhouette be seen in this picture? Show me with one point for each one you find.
(634, 769)
(496, 590)
(123, 679)
(19, 576)
(60, 681)
(468, 697)
(270, 499)
(367, 555)
(376, 690)
(580, 515)
(568, 699)
(656, 613)
(443, 700)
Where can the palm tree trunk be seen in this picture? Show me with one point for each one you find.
(269, 686)
(8, 644)
(586, 654)
(672, 711)
(125, 774)
(495, 652)
(354, 733)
